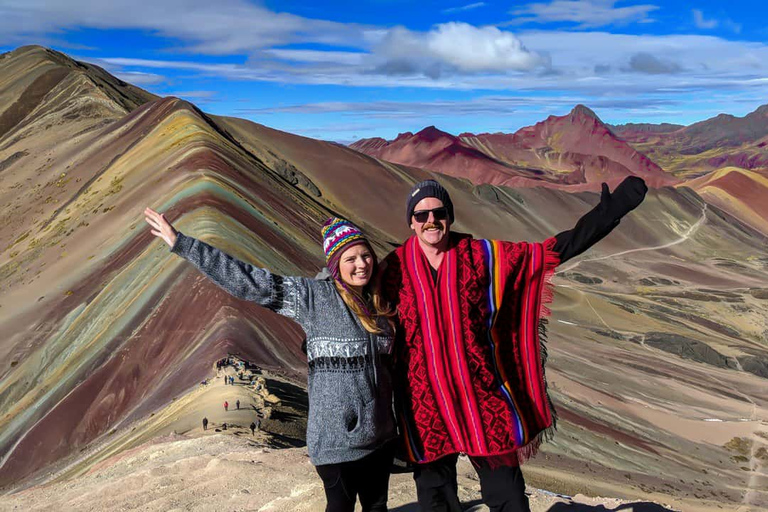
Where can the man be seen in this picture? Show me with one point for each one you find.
(205, 423)
(470, 365)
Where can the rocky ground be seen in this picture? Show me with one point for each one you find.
(215, 469)
(231, 471)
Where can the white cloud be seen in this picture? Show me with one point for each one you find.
(218, 28)
(646, 63)
(593, 63)
(230, 27)
(585, 13)
(454, 47)
(590, 63)
(197, 95)
(316, 56)
(701, 22)
(463, 8)
(309, 75)
(732, 25)
(707, 24)
(480, 49)
(705, 57)
(139, 77)
(481, 106)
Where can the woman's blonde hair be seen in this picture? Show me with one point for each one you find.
(377, 306)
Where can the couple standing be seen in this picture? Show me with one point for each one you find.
(447, 322)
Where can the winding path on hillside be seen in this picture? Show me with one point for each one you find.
(691, 231)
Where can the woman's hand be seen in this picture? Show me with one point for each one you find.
(161, 228)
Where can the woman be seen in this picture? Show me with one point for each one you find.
(348, 328)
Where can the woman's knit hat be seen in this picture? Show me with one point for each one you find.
(338, 235)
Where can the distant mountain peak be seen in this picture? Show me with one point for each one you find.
(27, 49)
(33, 72)
(41, 53)
(583, 111)
(432, 133)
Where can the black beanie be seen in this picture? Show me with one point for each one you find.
(428, 188)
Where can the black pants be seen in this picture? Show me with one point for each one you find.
(502, 488)
(367, 478)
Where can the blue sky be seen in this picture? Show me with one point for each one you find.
(345, 70)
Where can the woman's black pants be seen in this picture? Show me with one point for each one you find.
(367, 478)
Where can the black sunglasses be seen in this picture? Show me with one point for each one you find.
(438, 213)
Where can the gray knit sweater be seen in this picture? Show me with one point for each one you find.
(350, 388)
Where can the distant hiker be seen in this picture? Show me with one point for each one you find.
(226, 406)
(471, 356)
(205, 423)
(253, 429)
(223, 426)
(231, 380)
(347, 325)
(225, 380)
(237, 404)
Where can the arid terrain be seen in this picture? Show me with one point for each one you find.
(235, 469)
(658, 353)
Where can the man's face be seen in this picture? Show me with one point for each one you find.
(431, 227)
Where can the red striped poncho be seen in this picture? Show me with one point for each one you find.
(470, 358)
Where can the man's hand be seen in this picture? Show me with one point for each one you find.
(630, 193)
(625, 198)
(161, 228)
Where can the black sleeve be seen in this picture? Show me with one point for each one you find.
(602, 219)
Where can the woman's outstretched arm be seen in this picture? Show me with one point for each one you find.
(284, 295)
(602, 219)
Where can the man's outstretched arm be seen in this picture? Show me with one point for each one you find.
(598, 222)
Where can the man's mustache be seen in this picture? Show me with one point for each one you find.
(428, 226)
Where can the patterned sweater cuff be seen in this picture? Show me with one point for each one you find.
(183, 244)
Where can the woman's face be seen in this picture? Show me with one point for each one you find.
(356, 266)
